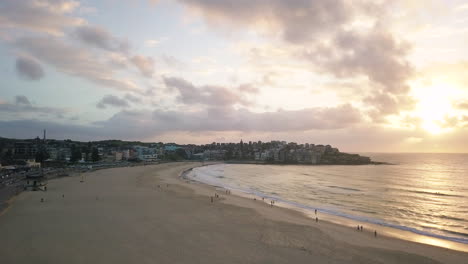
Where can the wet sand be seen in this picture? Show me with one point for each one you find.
(148, 215)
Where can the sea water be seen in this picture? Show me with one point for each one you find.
(425, 194)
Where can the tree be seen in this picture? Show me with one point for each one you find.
(180, 152)
(7, 158)
(42, 155)
(75, 153)
(95, 155)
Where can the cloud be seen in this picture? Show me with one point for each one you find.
(248, 89)
(144, 64)
(30, 128)
(453, 71)
(29, 69)
(117, 60)
(413, 140)
(462, 105)
(375, 54)
(49, 16)
(119, 48)
(112, 100)
(152, 42)
(22, 100)
(315, 125)
(132, 98)
(74, 61)
(148, 124)
(210, 95)
(387, 104)
(173, 62)
(295, 21)
(23, 105)
(100, 38)
(343, 39)
(461, 8)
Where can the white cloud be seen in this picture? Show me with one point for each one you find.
(152, 43)
(144, 64)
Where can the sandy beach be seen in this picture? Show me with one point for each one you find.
(148, 214)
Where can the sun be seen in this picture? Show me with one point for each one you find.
(434, 105)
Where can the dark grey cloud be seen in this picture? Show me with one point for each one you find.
(101, 38)
(29, 69)
(347, 139)
(23, 105)
(50, 16)
(22, 100)
(31, 128)
(147, 124)
(228, 119)
(210, 95)
(113, 101)
(73, 60)
(132, 98)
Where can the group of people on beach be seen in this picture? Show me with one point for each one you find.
(216, 195)
(360, 228)
(272, 202)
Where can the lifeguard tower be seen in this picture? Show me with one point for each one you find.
(36, 182)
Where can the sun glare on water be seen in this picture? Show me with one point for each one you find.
(434, 106)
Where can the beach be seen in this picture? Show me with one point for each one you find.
(148, 214)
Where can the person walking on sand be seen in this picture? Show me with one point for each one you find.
(315, 211)
(375, 233)
(316, 219)
(358, 228)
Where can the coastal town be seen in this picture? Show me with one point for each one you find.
(58, 153)
(54, 158)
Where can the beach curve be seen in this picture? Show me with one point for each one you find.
(148, 214)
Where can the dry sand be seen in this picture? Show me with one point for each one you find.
(122, 216)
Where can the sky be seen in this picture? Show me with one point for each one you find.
(361, 75)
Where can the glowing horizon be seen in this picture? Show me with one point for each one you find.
(361, 75)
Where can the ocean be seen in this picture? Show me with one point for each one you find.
(426, 194)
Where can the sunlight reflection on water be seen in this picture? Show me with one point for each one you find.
(423, 193)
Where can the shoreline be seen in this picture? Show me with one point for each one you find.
(383, 230)
(83, 222)
(256, 162)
